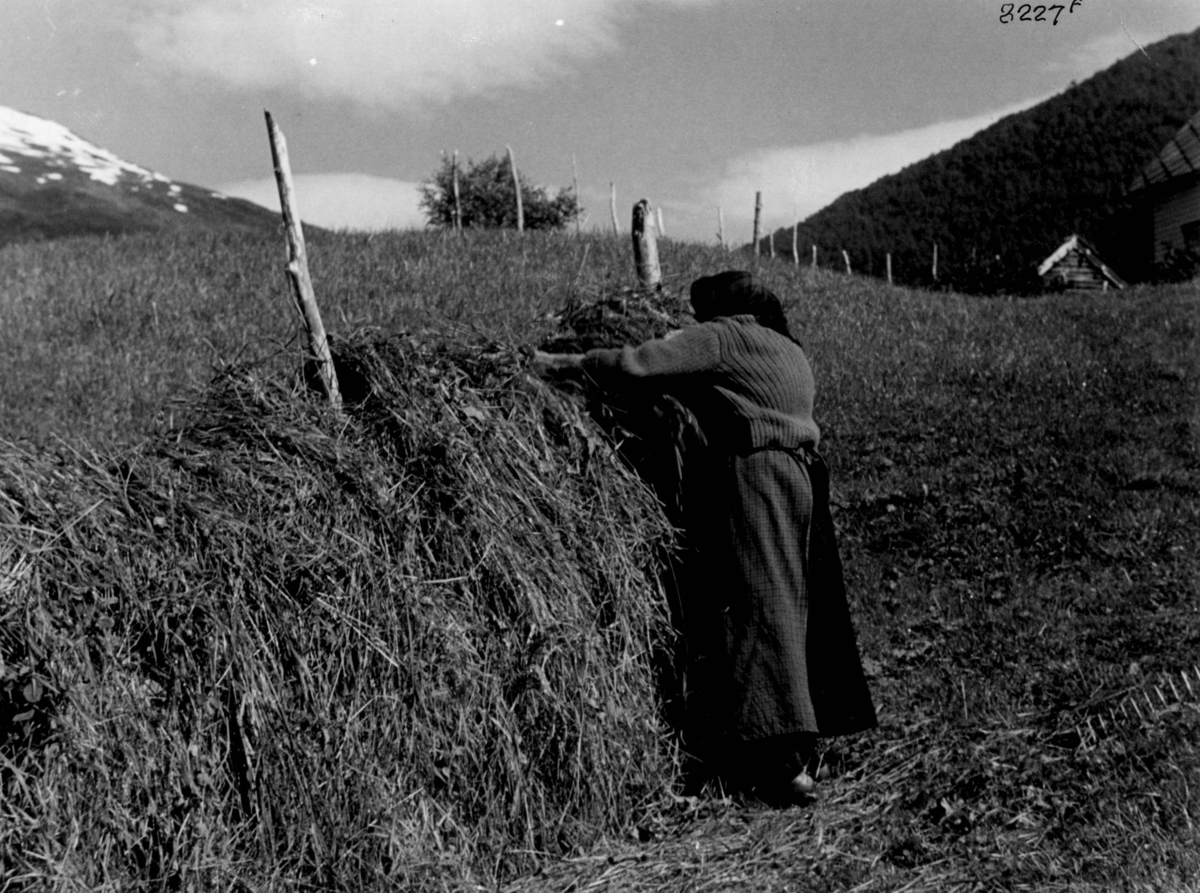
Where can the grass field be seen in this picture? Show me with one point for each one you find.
(1016, 487)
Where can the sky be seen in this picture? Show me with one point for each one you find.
(694, 105)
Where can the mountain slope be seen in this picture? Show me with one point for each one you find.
(998, 203)
(54, 183)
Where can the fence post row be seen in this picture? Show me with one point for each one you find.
(512, 163)
(575, 186)
(457, 197)
(297, 266)
(645, 249)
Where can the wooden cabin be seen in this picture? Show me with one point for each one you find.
(1169, 186)
(1075, 264)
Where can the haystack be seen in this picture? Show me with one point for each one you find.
(407, 645)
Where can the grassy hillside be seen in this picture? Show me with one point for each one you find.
(1000, 202)
(1015, 486)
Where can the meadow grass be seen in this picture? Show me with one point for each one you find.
(1015, 486)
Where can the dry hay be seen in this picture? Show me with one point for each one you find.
(406, 645)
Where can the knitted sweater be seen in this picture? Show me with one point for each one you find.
(749, 386)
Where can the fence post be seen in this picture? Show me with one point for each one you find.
(846, 258)
(889, 267)
(659, 215)
(721, 227)
(645, 249)
(935, 261)
(512, 163)
(612, 197)
(297, 266)
(757, 219)
(771, 244)
(796, 243)
(575, 187)
(814, 263)
(457, 198)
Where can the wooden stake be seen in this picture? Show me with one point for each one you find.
(935, 261)
(814, 263)
(796, 243)
(612, 195)
(297, 266)
(645, 249)
(658, 215)
(846, 258)
(457, 197)
(757, 219)
(721, 226)
(517, 187)
(575, 186)
(771, 243)
(889, 267)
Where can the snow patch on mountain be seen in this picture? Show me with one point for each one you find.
(33, 137)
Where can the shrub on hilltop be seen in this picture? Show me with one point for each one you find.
(488, 199)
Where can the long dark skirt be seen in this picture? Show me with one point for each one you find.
(772, 649)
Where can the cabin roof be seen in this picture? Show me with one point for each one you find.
(1081, 246)
(1178, 158)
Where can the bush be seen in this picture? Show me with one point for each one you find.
(488, 199)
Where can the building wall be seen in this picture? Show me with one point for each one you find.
(1172, 213)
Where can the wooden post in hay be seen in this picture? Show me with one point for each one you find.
(645, 249)
(771, 244)
(814, 263)
(889, 267)
(721, 227)
(297, 266)
(757, 219)
(935, 261)
(796, 243)
(457, 196)
(575, 187)
(512, 163)
(846, 258)
(612, 202)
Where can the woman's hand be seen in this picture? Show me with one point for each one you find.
(547, 364)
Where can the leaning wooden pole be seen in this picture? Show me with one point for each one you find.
(757, 219)
(512, 163)
(721, 227)
(297, 267)
(612, 203)
(645, 248)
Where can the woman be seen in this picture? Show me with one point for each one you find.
(774, 662)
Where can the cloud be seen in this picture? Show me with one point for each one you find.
(391, 53)
(342, 201)
(797, 181)
(1101, 52)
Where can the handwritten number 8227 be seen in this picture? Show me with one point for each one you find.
(1029, 13)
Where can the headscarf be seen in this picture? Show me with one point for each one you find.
(735, 292)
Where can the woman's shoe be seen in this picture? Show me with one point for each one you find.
(802, 786)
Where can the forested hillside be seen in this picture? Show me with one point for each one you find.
(998, 203)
